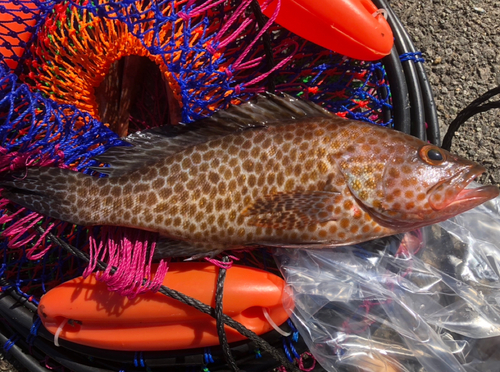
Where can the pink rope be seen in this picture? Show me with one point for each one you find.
(279, 65)
(236, 64)
(221, 264)
(125, 251)
(301, 362)
(30, 253)
(9, 217)
(217, 43)
(197, 11)
(16, 231)
(15, 160)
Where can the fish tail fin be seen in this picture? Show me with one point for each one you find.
(48, 190)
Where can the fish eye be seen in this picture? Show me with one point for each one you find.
(432, 155)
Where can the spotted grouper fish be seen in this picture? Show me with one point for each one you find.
(276, 171)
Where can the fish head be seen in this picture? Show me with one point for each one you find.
(410, 183)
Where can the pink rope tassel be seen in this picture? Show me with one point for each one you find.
(129, 255)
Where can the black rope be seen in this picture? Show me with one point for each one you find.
(200, 306)
(266, 40)
(228, 356)
(475, 107)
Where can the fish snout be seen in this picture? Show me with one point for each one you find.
(452, 193)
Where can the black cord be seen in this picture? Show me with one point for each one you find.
(266, 40)
(475, 107)
(25, 359)
(399, 89)
(228, 356)
(200, 306)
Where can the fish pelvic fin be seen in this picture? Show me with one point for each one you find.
(50, 191)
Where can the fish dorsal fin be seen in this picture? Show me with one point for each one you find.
(151, 145)
(267, 109)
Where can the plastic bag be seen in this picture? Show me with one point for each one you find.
(426, 300)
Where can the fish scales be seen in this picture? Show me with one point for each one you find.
(311, 181)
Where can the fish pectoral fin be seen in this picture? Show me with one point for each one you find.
(294, 210)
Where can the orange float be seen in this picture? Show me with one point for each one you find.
(16, 21)
(84, 311)
(354, 28)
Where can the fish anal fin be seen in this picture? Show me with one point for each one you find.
(169, 247)
(288, 211)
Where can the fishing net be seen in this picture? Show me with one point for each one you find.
(77, 75)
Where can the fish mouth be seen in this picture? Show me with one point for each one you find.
(456, 195)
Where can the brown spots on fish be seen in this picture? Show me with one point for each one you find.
(399, 160)
(405, 183)
(357, 185)
(371, 183)
(393, 172)
(344, 223)
(116, 191)
(348, 204)
(409, 194)
(406, 169)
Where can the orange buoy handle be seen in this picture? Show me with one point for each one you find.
(84, 311)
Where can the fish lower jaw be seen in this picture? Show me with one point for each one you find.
(476, 195)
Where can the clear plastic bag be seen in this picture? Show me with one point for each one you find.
(423, 301)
